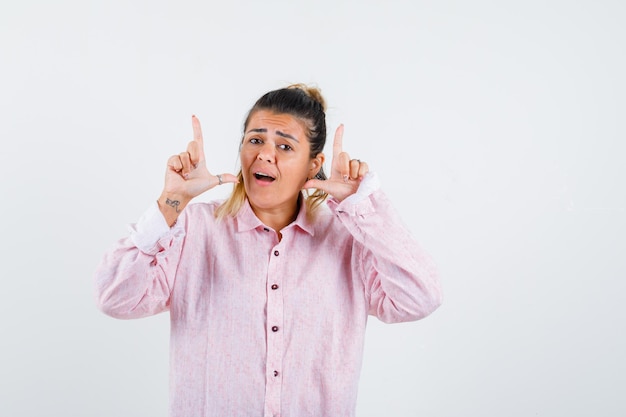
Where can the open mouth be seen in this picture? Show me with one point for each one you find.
(263, 177)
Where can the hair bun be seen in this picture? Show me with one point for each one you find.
(313, 92)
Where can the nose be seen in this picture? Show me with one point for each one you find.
(267, 153)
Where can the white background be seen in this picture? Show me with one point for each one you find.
(496, 127)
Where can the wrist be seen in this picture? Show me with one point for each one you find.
(171, 205)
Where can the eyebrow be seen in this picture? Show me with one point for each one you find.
(278, 132)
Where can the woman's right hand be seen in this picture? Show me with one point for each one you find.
(187, 176)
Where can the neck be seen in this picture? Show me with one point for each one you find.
(278, 217)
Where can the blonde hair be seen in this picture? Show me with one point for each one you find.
(307, 104)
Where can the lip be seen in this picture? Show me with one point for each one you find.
(263, 172)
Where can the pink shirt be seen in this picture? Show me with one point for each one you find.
(262, 327)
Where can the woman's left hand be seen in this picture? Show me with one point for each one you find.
(345, 174)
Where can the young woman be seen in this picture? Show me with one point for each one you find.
(269, 291)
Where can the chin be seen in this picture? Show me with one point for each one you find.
(261, 199)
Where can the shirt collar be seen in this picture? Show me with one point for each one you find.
(247, 220)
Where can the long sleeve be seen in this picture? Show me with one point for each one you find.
(400, 278)
(269, 326)
(134, 279)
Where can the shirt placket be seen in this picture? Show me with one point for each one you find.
(274, 334)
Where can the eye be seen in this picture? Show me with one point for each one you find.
(285, 147)
(255, 141)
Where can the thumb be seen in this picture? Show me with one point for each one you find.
(315, 183)
(227, 178)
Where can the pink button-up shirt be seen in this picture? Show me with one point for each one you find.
(262, 327)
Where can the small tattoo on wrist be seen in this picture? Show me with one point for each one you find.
(173, 203)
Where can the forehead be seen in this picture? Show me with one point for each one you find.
(267, 119)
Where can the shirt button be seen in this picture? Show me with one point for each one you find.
(276, 253)
(275, 373)
(274, 286)
(266, 229)
(274, 328)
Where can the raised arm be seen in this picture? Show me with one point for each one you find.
(135, 278)
(400, 278)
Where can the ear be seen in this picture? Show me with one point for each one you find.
(316, 164)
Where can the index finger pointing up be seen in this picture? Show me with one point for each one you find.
(338, 142)
(197, 136)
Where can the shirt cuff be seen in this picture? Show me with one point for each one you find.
(359, 203)
(369, 184)
(150, 228)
